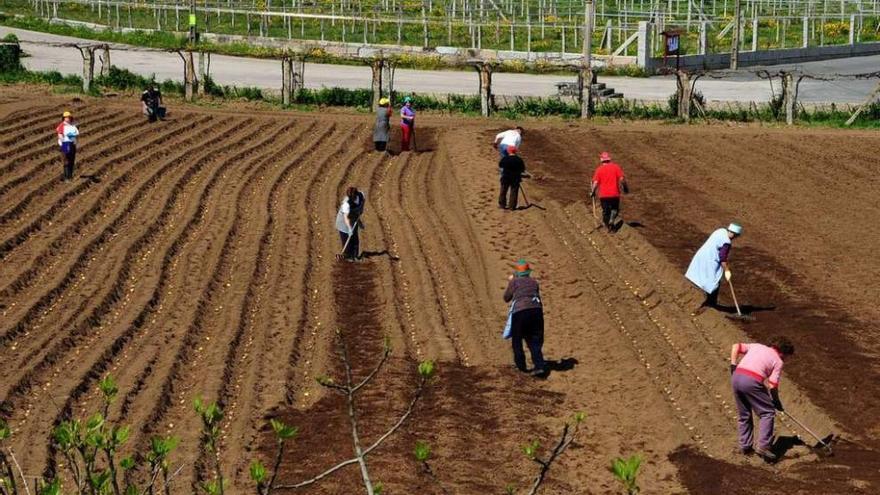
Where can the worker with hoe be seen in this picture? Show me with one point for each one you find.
(512, 169)
(67, 134)
(151, 101)
(525, 318)
(608, 183)
(348, 222)
(711, 263)
(755, 381)
(504, 140)
(382, 128)
(407, 123)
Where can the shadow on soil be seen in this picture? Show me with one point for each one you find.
(474, 418)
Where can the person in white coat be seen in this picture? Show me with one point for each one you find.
(711, 263)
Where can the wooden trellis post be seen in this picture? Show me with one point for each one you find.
(188, 74)
(789, 97)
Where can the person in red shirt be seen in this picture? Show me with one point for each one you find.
(608, 183)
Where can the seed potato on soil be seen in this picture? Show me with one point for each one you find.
(195, 257)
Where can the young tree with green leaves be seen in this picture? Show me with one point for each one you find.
(627, 472)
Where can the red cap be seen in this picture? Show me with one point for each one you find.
(605, 156)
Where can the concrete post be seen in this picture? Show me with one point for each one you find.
(88, 56)
(852, 29)
(487, 100)
(734, 42)
(683, 80)
(645, 55)
(754, 34)
(286, 79)
(586, 73)
(200, 82)
(376, 84)
(105, 60)
(388, 79)
(704, 38)
(806, 33)
(788, 97)
(297, 75)
(188, 75)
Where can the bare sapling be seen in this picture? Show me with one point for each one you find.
(211, 415)
(8, 484)
(349, 389)
(569, 433)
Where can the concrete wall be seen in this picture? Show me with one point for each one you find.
(714, 61)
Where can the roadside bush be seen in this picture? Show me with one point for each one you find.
(10, 55)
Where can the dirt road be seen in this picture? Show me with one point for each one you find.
(194, 257)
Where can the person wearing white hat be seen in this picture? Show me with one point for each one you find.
(711, 263)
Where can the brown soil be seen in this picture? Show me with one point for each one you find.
(196, 257)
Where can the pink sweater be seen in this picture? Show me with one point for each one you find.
(760, 362)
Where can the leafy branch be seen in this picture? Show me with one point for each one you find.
(627, 472)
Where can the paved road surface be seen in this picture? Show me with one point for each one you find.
(267, 74)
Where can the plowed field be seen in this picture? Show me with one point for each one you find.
(195, 257)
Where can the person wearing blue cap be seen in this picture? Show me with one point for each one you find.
(407, 121)
(711, 263)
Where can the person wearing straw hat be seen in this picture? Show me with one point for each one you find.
(608, 183)
(710, 263)
(67, 134)
(407, 122)
(755, 381)
(382, 128)
(526, 318)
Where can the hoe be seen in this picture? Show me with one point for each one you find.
(738, 315)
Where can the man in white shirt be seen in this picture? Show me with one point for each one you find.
(512, 137)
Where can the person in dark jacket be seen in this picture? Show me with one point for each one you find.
(349, 223)
(382, 127)
(151, 101)
(512, 169)
(526, 318)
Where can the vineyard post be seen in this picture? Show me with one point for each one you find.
(585, 79)
(852, 29)
(188, 74)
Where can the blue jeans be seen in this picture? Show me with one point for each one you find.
(502, 150)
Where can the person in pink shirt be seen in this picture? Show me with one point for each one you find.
(755, 381)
